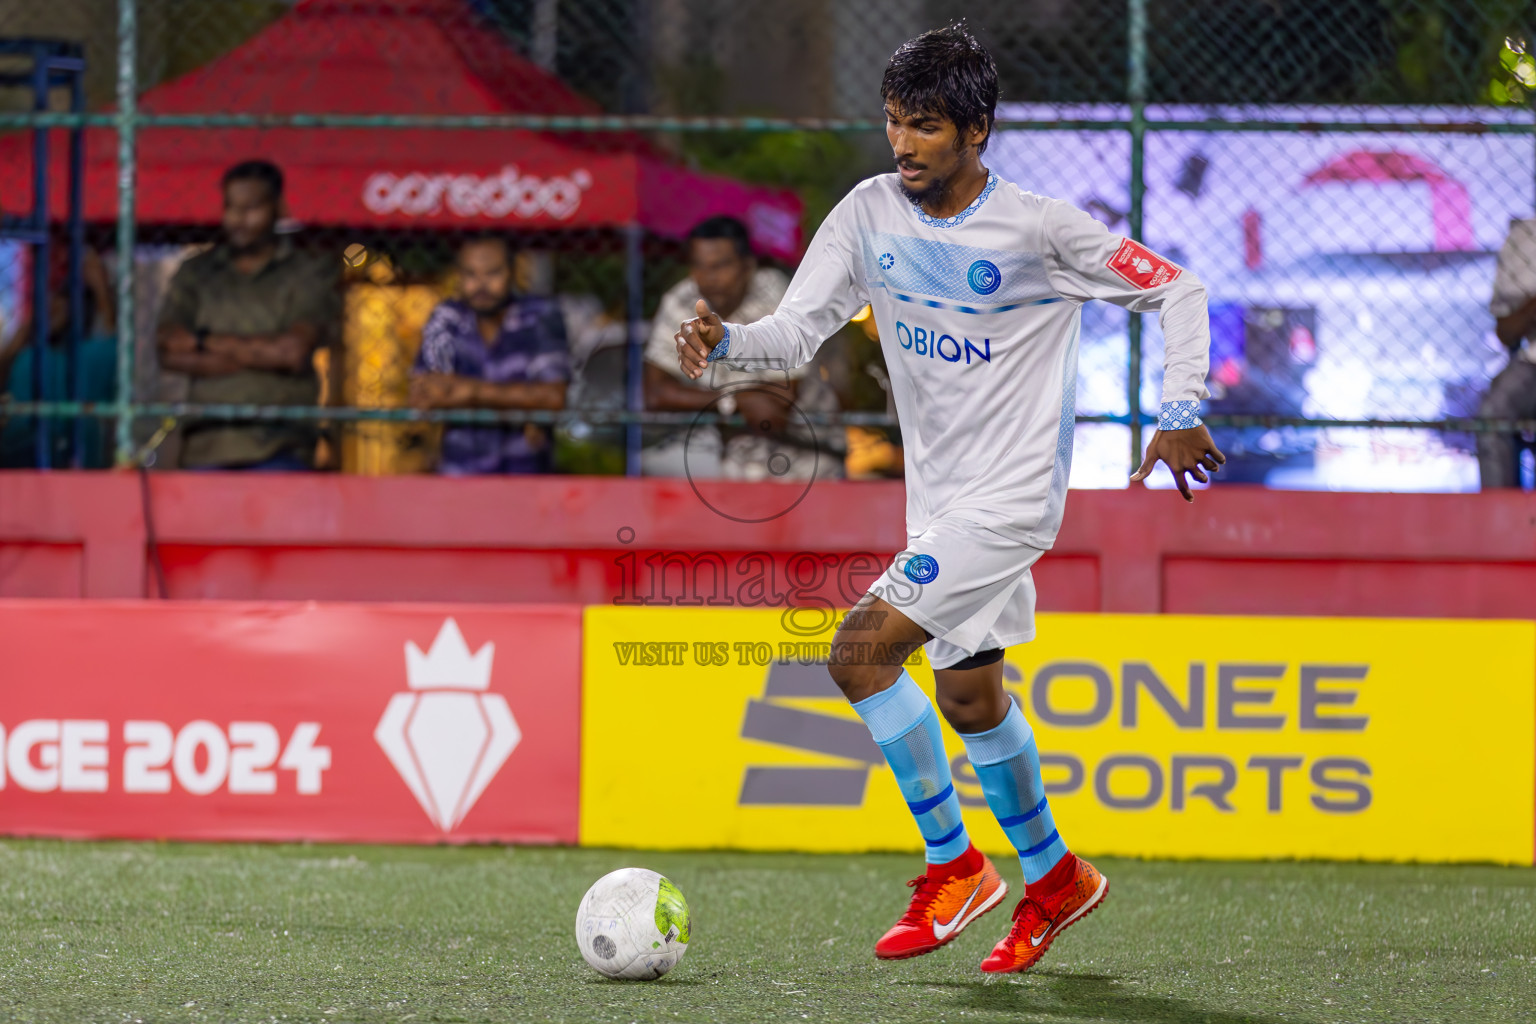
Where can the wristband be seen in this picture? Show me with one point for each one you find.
(202, 339)
(721, 350)
(726, 404)
(1179, 416)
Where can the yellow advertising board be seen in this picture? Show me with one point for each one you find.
(1160, 736)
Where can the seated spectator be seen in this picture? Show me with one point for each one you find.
(777, 443)
(94, 370)
(1512, 394)
(244, 320)
(492, 349)
(599, 339)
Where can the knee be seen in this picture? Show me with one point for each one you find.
(860, 681)
(845, 676)
(973, 712)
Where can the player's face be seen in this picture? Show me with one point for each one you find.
(924, 146)
(722, 274)
(250, 214)
(485, 276)
(929, 149)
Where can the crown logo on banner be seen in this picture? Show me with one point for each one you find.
(448, 665)
(449, 742)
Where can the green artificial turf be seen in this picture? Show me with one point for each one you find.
(148, 932)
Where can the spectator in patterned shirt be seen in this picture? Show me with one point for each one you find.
(492, 349)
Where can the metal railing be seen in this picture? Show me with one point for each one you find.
(1137, 118)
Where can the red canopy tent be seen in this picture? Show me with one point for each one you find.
(421, 57)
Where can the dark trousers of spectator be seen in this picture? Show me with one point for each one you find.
(1511, 396)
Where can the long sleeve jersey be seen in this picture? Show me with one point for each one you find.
(979, 317)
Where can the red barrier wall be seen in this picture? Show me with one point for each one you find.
(567, 539)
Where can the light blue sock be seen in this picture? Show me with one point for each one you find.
(1008, 766)
(906, 727)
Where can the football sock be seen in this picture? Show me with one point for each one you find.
(905, 725)
(1008, 767)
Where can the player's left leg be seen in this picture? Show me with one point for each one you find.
(958, 882)
(1059, 887)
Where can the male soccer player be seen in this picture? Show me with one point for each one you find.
(976, 287)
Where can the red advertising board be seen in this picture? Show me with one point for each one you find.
(215, 720)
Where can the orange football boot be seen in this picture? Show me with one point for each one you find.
(1072, 890)
(948, 897)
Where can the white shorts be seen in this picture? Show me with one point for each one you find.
(967, 585)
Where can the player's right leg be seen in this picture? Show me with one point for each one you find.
(958, 883)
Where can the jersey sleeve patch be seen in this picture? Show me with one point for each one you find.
(1142, 267)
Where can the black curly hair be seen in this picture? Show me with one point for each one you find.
(947, 72)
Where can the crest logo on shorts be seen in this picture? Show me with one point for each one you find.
(984, 277)
(921, 569)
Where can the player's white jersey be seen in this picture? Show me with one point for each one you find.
(978, 317)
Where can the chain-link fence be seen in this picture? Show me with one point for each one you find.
(1342, 175)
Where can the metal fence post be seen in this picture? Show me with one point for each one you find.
(634, 274)
(42, 257)
(127, 156)
(1137, 90)
(74, 376)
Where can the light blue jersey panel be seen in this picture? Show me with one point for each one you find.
(961, 278)
(1061, 470)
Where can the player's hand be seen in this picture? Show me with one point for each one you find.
(1183, 451)
(697, 339)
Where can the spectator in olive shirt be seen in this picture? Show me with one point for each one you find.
(244, 320)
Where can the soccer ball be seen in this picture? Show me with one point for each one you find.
(632, 923)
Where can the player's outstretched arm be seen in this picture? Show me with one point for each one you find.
(825, 292)
(1182, 451)
(1091, 263)
(697, 338)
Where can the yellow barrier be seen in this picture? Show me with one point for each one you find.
(1160, 736)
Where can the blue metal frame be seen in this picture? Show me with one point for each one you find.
(55, 64)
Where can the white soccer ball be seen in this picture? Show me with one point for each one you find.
(632, 923)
